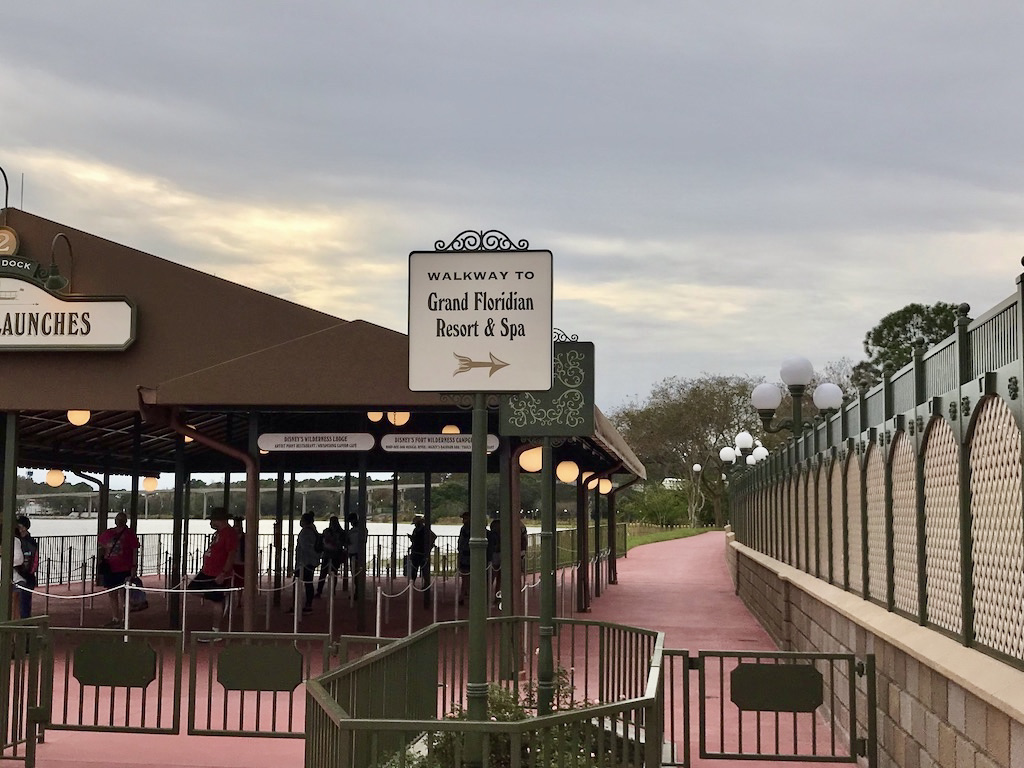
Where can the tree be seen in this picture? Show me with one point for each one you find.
(687, 421)
(890, 344)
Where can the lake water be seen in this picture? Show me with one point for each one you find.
(51, 526)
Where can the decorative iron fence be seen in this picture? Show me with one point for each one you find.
(404, 705)
(911, 495)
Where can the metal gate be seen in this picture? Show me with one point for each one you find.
(781, 706)
(24, 687)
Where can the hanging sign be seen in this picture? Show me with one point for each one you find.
(315, 441)
(480, 321)
(32, 318)
(567, 409)
(434, 443)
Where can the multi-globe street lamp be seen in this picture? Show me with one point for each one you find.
(796, 373)
(745, 447)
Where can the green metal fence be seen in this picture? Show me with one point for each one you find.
(25, 691)
(911, 495)
(250, 684)
(404, 705)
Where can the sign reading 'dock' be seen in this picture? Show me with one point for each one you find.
(480, 321)
(32, 318)
(315, 441)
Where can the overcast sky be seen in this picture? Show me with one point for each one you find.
(722, 184)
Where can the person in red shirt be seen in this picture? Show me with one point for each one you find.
(118, 553)
(218, 563)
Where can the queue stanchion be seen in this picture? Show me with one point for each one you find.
(378, 619)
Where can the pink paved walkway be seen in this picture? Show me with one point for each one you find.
(681, 587)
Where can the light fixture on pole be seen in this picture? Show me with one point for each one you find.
(796, 373)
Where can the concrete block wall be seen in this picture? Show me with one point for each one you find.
(939, 702)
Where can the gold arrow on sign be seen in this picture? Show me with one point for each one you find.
(466, 364)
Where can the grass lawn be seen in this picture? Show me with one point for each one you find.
(638, 534)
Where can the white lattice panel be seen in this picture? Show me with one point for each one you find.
(854, 526)
(942, 527)
(904, 526)
(835, 489)
(878, 577)
(821, 550)
(997, 532)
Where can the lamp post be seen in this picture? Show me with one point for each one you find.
(745, 447)
(796, 373)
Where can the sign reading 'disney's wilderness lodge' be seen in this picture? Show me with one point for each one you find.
(32, 318)
(480, 321)
(315, 441)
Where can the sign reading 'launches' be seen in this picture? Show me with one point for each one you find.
(32, 318)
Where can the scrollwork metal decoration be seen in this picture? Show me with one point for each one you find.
(557, 334)
(480, 241)
(460, 400)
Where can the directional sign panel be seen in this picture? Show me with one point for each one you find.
(480, 321)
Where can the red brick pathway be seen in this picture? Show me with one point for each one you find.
(680, 587)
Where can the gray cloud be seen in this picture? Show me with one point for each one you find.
(722, 183)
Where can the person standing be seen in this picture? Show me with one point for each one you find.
(218, 564)
(117, 561)
(421, 541)
(30, 564)
(307, 557)
(17, 560)
(357, 535)
(334, 551)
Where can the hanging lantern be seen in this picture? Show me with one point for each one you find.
(55, 478)
(531, 460)
(567, 471)
(149, 484)
(79, 418)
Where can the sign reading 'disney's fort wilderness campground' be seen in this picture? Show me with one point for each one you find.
(480, 321)
(32, 318)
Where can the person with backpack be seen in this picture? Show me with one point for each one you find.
(29, 565)
(333, 552)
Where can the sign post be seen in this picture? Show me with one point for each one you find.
(479, 323)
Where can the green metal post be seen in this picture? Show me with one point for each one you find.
(545, 655)
(476, 686)
(177, 532)
(10, 491)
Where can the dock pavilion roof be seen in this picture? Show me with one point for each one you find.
(222, 355)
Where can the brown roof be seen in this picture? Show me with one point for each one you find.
(218, 351)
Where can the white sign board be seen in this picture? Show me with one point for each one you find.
(316, 441)
(434, 443)
(32, 318)
(480, 321)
